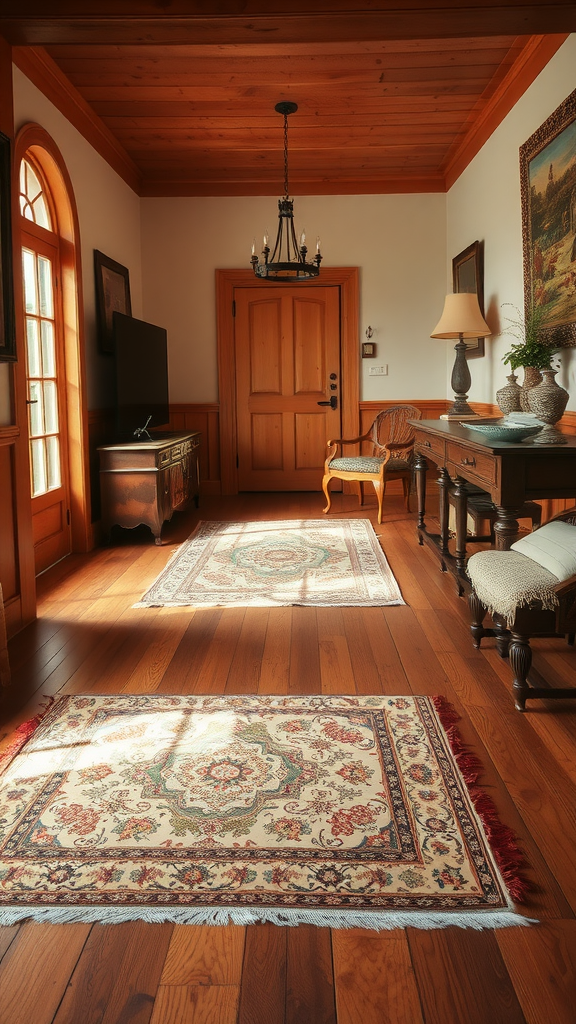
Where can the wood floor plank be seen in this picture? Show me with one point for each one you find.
(204, 955)
(131, 999)
(185, 666)
(263, 988)
(304, 654)
(275, 667)
(34, 972)
(542, 964)
(91, 985)
(213, 672)
(309, 994)
(462, 977)
(195, 1004)
(244, 674)
(374, 978)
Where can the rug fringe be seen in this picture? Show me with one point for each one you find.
(503, 841)
(257, 915)
(23, 733)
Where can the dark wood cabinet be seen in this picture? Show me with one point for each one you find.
(146, 481)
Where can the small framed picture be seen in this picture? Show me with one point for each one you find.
(368, 349)
(112, 293)
(468, 276)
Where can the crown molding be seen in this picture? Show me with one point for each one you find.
(43, 72)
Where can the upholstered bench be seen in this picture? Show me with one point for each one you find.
(529, 591)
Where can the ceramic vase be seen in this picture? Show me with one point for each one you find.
(508, 397)
(532, 377)
(547, 401)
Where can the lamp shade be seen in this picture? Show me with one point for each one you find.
(461, 317)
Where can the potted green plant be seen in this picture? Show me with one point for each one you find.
(531, 352)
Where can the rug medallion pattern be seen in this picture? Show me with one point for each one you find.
(242, 801)
(267, 564)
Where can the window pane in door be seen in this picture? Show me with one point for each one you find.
(35, 404)
(53, 458)
(48, 351)
(29, 268)
(33, 348)
(50, 407)
(45, 286)
(39, 476)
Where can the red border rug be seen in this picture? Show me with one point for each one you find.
(341, 811)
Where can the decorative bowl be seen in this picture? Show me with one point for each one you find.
(511, 432)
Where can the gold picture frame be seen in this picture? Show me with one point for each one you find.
(548, 194)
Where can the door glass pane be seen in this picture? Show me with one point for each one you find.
(53, 458)
(39, 477)
(45, 286)
(48, 351)
(41, 213)
(50, 407)
(33, 348)
(35, 406)
(29, 268)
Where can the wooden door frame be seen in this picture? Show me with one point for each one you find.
(33, 139)
(344, 278)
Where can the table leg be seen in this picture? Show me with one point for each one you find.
(461, 501)
(420, 466)
(506, 527)
(443, 486)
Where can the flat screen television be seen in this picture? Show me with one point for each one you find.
(141, 351)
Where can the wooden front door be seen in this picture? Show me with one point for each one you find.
(287, 346)
(46, 400)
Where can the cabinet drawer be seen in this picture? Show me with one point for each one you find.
(474, 462)
(164, 457)
(427, 443)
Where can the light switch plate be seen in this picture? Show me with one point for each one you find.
(378, 371)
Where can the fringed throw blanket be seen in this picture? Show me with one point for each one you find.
(342, 811)
(266, 564)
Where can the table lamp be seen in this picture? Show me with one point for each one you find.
(461, 318)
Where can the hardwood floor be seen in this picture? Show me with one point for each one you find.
(89, 638)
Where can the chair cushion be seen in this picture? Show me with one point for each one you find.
(507, 580)
(366, 464)
(553, 546)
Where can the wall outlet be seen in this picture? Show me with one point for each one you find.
(378, 371)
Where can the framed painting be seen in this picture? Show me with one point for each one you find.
(468, 276)
(548, 191)
(112, 293)
(7, 319)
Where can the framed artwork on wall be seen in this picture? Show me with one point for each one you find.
(548, 192)
(112, 293)
(7, 320)
(468, 276)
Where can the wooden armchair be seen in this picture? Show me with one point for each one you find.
(392, 439)
(530, 591)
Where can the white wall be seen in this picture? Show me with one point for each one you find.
(397, 241)
(485, 204)
(108, 213)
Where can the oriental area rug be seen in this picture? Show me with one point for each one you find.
(342, 811)
(266, 564)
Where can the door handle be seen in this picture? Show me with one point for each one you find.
(332, 402)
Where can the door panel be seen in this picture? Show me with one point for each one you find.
(287, 344)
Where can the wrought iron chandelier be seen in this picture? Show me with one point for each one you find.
(288, 260)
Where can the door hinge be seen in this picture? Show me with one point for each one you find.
(68, 517)
(233, 307)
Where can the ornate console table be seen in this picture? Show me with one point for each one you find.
(511, 473)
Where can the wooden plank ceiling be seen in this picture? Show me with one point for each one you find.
(402, 112)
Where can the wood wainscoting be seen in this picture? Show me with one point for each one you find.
(205, 417)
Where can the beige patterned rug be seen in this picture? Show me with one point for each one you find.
(342, 811)
(266, 564)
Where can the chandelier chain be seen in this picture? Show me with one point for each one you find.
(286, 155)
